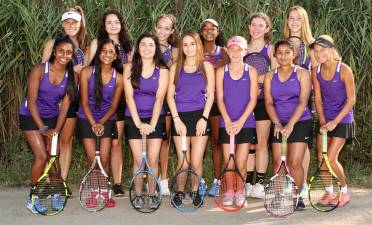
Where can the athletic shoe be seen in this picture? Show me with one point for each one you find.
(92, 199)
(138, 202)
(197, 200)
(31, 206)
(164, 187)
(177, 199)
(300, 204)
(345, 198)
(118, 190)
(57, 202)
(228, 198)
(258, 191)
(214, 190)
(326, 199)
(248, 189)
(202, 188)
(239, 198)
(154, 202)
(304, 193)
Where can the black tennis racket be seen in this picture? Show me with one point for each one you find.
(324, 187)
(186, 188)
(50, 194)
(259, 61)
(280, 191)
(95, 188)
(301, 50)
(145, 192)
(231, 196)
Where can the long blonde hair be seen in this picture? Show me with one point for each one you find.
(199, 55)
(81, 36)
(336, 55)
(268, 36)
(306, 34)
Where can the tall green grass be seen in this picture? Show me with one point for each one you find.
(26, 25)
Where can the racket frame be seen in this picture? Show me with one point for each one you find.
(303, 61)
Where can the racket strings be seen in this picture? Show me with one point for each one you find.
(95, 191)
(231, 196)
(324, 191)
(258, 61)
(300, 49)
(280, 196)
(145, 192)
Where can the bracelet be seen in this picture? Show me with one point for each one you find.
(276, 122)
(174, 117)
(43, 129)
(204, 118)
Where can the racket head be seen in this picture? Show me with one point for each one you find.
(184, 191)
(50, 194)
(259, 61)
(231, 195)
(279, 194)
(300, 49)
(145, 192)
(95, 190)
(324, 189)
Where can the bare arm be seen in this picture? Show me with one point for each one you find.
(33, 92)
(253, 95)
(84, 78)
(47, 52)
(318, 97)
(129, 91)
(92, 51)
(225, 59)
(269, 101)
(171, 91)
(274, 63)
(209, 70)
(220, 93)
(160, 95)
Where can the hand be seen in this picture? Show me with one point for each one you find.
(236, 127)
(98, 129)
(227, 125)
(49, 133)
(145, 128)
(277, 129)
(201, 126)
(330, 126)
(180, 127)
(287, 130)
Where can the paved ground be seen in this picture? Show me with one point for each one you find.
(13, 211)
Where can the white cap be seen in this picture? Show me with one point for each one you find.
(210, 20)
(71, 15)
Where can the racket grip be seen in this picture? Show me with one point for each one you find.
(98, 140)
(183, 142)
(232, 143)
(324, 140)
(53, 150)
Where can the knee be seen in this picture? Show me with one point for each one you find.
(41, 159)
(295, 164)
(195, 165)
(65, 141)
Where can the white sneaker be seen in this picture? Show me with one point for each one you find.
(228, 199)
(248, 189)
(164, 187)
(258, 191)
(304, 191)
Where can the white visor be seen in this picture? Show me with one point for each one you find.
(71, 15)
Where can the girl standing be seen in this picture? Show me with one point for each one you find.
(145, 85)
(215, 53)
(100, 90)
(74, 26)
(165, 31)
(113, 27)
(190, 97)
(236, 86)
(287, 91)
(334, 90)
(49, 84)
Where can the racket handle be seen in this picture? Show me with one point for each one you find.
(98, 143)
(183, 142)
(232, 143)
(324, 140)
(284, 148)
(53, 151)
(144, 139)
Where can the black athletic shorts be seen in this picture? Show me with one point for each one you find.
(27, 123)
(190, 119)
(132, 132)
(246, 135)
(302, 132)
(84, 129)
(260, 111)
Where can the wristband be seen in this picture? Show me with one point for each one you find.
(204, 118)
(43, 129)
(174, 117)
(276, 122)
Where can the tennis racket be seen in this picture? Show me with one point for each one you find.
(231, 195)
(95, 188)
(301, 50)
(324, 188)
(259, 61)
(145, 192)
(187, 189)
(50, 195)
(281, 189)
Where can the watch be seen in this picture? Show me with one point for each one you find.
(43, 129)
(204, 118)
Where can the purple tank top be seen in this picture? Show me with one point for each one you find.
(213, 58)
(49, 96)
(78, 57)
(236, 96)
(191, 91)
(145, 95)
(167, 54)
(334, 96)
(286, 96)
(108, 91)
(123, 55)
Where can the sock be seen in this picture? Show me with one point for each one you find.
(260, 178)
(329, 189)
(250, 175)
(344, 189)
(33, 187)
(215, 180)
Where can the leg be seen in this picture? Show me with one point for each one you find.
(242, 152)
(216, 149)
(117, 159)
(262, 153)
(105, 149)
(153, 146)
(65, 146)
(136, 147)
(198, 145)
(164, 152)
(276, 156)
(334, 149)
(295, 156)
(180, 164)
